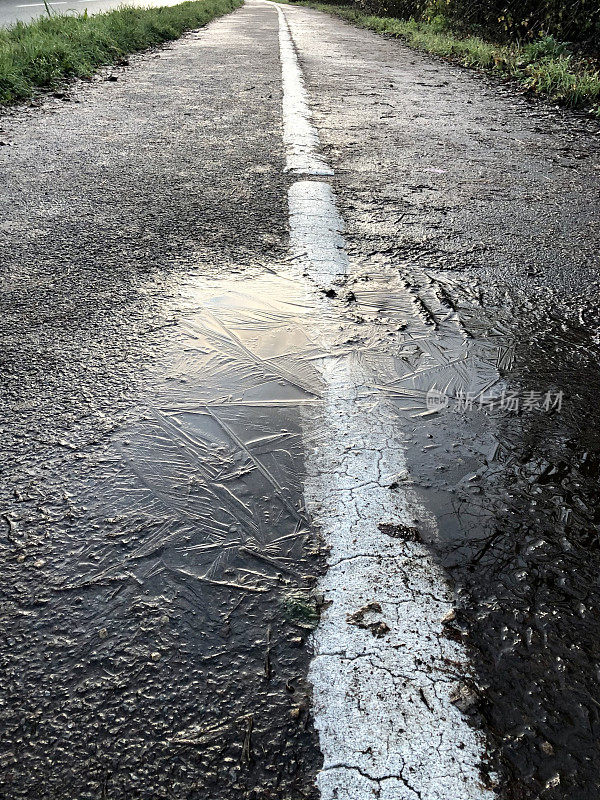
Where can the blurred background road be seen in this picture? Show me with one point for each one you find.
(12, 11)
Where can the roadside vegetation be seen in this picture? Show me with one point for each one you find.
(559, 71)
(44, 53)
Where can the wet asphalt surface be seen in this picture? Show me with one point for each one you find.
(487, 208)
(157, 558)
(135, 663)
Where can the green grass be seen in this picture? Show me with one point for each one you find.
(547, 68)
(44, 53)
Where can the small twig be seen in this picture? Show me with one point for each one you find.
(235, 607)
(12, 527)
(268, 655)
(247, 748)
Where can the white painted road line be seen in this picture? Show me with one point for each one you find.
(316, 231)
(299, 135)
(382, 684)
(381, 678)
(42, 5)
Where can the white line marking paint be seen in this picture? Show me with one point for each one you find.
(41, 5)
(316, 231)
(299, 135)
(382, 703)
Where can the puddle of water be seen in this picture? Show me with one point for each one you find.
(515, 496)
(175, 598)
(161, 647)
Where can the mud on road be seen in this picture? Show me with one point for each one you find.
(169, 423)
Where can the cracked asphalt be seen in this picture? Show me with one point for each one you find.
(244, 555)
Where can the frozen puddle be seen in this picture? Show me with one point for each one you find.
(274, 396)
(278, 393)
(383, 674)
(384, 677)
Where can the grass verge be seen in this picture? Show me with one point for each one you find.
(43, 53)
(546, 67)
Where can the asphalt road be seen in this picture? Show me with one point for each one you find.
(11, 12)
(300, 358)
